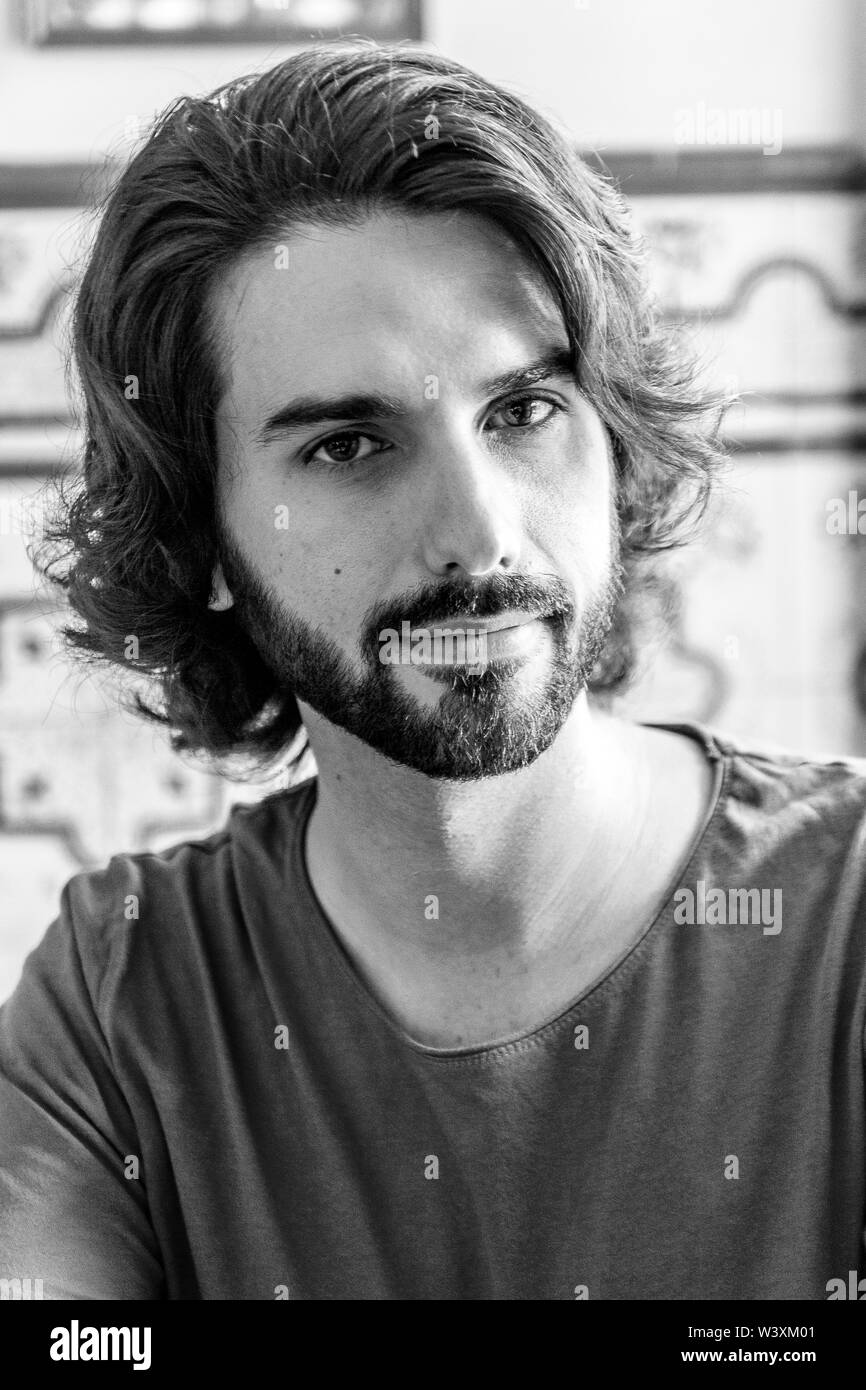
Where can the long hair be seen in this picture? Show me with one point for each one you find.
(329, 135)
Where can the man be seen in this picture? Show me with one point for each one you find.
(513, 998)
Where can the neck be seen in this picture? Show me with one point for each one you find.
(495, 855)
(476, 911)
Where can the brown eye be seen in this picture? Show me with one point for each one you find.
(345, 448)
(524, 412)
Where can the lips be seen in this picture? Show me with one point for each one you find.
(498, 622)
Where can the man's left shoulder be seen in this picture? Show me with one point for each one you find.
(796, 820)
(778, 776)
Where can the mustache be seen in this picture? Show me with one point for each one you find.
(539, 597)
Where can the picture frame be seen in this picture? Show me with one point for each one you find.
(56, 23)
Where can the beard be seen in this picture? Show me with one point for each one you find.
(486, 721)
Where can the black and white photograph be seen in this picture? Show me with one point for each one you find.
(433, 663)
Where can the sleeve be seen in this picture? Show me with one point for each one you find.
(69, 1217)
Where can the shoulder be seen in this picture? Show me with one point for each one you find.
(796, 821)
(780, 781)
(154, 911)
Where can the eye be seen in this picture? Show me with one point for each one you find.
(345, 448)
(524, 412)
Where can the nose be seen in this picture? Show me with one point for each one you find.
(470, 521)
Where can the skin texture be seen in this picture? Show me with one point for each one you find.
(548, 832)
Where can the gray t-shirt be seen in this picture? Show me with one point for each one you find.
(199, 1097)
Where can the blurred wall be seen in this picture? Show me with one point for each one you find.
(614, 71)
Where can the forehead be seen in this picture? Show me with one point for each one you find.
(379, 304)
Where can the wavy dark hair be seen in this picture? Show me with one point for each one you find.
(331, 134)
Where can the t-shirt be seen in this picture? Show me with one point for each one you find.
(201, 1098)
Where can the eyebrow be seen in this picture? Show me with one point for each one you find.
(315, 410)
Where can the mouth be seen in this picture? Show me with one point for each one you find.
(498, 622)
(506, 640)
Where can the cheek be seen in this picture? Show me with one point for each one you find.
(572, 504)
(322, 566)
(308, 554)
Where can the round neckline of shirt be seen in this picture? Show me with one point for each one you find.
(718, 751)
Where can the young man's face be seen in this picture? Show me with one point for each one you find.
(412, 478)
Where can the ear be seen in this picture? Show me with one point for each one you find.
(220, 597)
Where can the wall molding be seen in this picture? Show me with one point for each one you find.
(685, 170)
